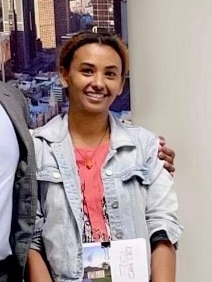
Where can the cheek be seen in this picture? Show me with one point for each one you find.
(117, 88)
(78, 82)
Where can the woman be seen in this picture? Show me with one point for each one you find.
(99, 179)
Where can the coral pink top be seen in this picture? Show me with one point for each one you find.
(95, 218)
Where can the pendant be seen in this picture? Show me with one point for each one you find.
(88, 164)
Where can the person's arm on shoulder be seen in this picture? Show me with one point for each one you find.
(167, 155)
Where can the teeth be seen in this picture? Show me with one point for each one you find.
(96, 96)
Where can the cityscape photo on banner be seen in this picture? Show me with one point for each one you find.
(31, 35)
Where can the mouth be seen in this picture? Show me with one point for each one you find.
(95, 95)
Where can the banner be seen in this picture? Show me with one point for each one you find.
(29, 58)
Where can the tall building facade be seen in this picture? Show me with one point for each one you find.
(81, 6)
(5, 56)
(18, 19)
(52, 21)
(103, 14)
(81, 15)
(1, 19)
(120, 19)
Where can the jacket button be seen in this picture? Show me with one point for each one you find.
(119, 234)
(108, 172)
(115, 205)
(56, 175)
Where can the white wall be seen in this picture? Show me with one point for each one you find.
(171, 89)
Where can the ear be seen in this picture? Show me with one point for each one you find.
(121, 87)
(63, 75)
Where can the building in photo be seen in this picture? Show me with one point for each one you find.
(52, 21)
(103, 14)
(1, 17)
(5, 56)
(120, 19)
(81, 15)
(94, 273)
(18, 20)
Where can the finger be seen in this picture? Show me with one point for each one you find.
(165, 157)
(162, 138)
(169, 167)
(168, 151)
(162, 141)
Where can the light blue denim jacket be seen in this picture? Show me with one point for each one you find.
(139, 193)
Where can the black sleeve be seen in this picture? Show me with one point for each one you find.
(159, 236)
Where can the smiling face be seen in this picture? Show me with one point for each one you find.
(94, 78)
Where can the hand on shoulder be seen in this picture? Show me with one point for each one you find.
(167, 155)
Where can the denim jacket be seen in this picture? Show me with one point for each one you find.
(139, 193)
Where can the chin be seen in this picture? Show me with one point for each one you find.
(97, 110)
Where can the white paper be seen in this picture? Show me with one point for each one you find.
(129, 260)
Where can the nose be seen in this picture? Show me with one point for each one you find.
(98, 81)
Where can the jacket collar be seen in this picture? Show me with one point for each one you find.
(120, 136)
(57, 129)
(54, 131)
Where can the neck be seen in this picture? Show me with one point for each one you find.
(86, 130)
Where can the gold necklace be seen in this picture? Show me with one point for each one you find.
(88, 161)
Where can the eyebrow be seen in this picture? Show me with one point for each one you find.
(92, 65)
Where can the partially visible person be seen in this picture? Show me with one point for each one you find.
(18, 184)
(99, 179)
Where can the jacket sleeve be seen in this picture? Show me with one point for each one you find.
(162, 203)
(37, 242)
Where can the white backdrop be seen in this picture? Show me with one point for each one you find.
(171, 91)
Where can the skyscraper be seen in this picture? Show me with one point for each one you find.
(52, 21)
(1, 19)
(120, 18)
(18, 19)
(103, 14)
(5, 56)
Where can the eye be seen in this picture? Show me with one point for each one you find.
(111, 74)
(87, 71)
